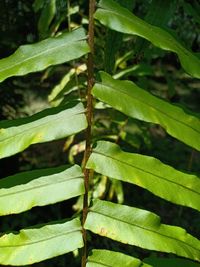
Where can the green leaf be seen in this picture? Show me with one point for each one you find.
(136, 70)
(46, 17)
(120, 19)
(39, 56)
(140, 228)
(70, 82)
(35, 245)
(102, 257)
(156, 262)
(147, 172)
(58, 89)
(135, 102)
(25, 190)
(50, 124)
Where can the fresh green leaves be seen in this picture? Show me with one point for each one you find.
(48, 125)
(102, 257)
(147, 172)
(135, 102)
(25, 190)
(140, 228)
(120, 19)
(39, 56)
(37, 244)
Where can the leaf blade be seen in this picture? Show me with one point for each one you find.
(47, 125)
(135, 102)
(120, 19)
(37, 57)
(25, 190)
(102, 257)
(34, 245)
(140, 228)
(147, 172)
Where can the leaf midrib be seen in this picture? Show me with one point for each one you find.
(146, 229)
(149, 105)
(39, 186)
(148, 172)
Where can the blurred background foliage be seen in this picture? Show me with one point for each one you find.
(125, 57)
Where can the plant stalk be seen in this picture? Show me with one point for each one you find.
(89, 115)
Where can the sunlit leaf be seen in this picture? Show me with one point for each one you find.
(37, 244)
(47, 125)
(38, 56)
(102, 257)
(148, 172)
(120, 19)
(25, 190)
(135, 102)
(140, 228)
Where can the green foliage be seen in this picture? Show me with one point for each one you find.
(137, 103)
(120, 19)
(140, 109)
(45, 126)
(112, 259)
(23, 191)
(39, 56)
(140, 228)
(44, 242)
(146, 172)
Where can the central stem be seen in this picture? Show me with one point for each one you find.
(89, 114)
